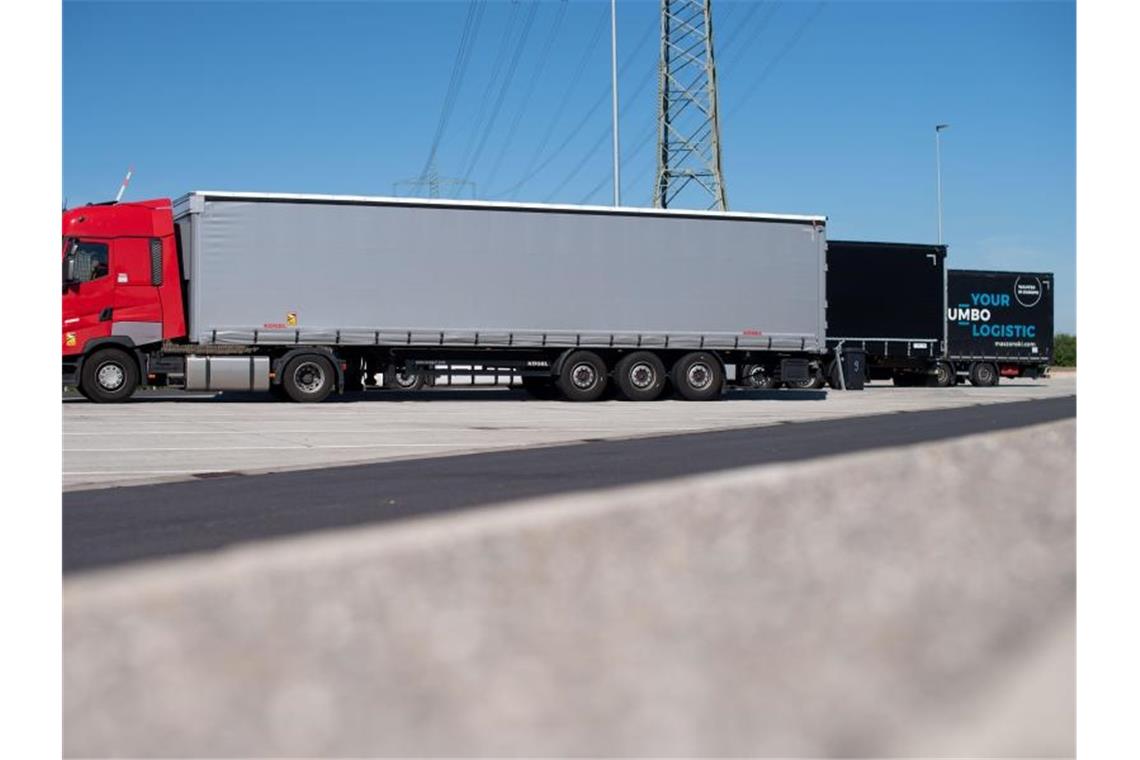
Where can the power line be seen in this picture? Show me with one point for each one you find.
(759, 80)
(475, 126)
(536, 74)
(506, 84)
(583, 121)
(754, 36)
(455, 82)
(602, 137)
(587, 52)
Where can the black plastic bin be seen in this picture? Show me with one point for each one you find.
(854, 370)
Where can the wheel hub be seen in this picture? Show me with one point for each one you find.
(583, 376)
(699, 376)
(110, 376)
(642, 376)
(309, 377)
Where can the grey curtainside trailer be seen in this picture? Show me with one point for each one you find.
(569, 298)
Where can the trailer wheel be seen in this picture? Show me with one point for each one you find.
(308, 379)
(109, 375)
(698, 376)
(813, 383)
(943, 375)
(583, 377)
(640, 376)
(983, 374)
(400, 380)
(756, 377)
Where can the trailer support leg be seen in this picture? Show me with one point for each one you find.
(839, 366)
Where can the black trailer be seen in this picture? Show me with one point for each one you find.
(1000, 324)
(887, 300)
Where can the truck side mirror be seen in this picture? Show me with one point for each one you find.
(69, 269)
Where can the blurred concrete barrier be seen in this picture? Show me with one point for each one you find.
(899, 601)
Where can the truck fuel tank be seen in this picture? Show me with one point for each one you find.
(227, 373)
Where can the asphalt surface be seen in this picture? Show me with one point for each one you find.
(112, 526)
(169, 436)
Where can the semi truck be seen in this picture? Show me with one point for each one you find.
(921, 323)
(302, 296)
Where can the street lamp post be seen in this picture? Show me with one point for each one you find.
(614, 91)
(938, 168)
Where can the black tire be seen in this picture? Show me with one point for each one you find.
(983, 375)
(308, 379)
(583, 377)
(756, 377)
(813, 383)
(540, 388)
(943, 376)
(698, 376)
(640, 376)
(398, 380)
(109, 375)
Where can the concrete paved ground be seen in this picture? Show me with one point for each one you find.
(914, 601)
(157, 439)
(109, 526)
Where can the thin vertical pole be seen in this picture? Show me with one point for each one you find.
(614, 89)
(938, 169)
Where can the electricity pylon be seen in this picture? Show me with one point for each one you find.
(688, 125)
(433, 183)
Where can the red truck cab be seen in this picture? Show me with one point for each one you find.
(122, 292)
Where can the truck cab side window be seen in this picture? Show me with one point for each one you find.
(91, 261)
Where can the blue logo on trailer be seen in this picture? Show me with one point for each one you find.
(977, 314)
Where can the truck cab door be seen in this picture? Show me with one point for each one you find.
(88, 294)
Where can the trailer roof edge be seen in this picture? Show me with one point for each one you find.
(453, 203)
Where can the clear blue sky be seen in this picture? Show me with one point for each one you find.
(826, 108)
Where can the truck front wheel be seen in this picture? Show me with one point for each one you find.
(109, 375)
(308, 379)
(698, 376)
